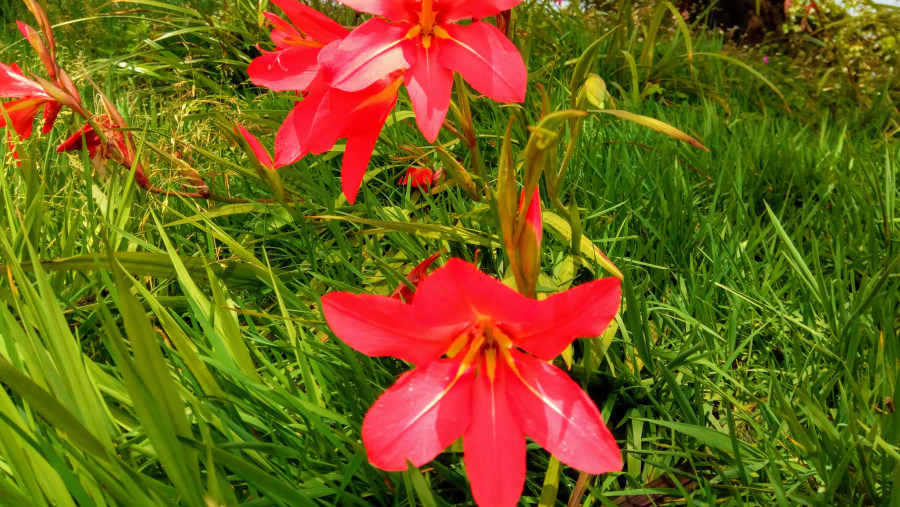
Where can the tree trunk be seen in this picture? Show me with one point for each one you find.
(739, 18)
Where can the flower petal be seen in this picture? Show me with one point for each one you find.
(583, 311)
(429, 84)
(51, 111)
(14, 84)
(289, 69)
(292, 135)
(382, 326)
(533, 214)
(417, 418)
(415, 277)
(494, 444)
(371, 52)
(486, 59)
(395, 10)
(462, 293)
(259, 151)
(75, 142)
(21, 113)
(357, 153)
(455, 10)
(560, 417)
(312, 22)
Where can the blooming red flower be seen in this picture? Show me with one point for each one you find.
(481, 351)
(419, 177)
(294, 63)
(31, 97)
(327, 114)
(421, 37)
(301, 62)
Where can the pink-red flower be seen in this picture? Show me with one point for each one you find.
(420, 177)
(403, 292)
(422, 38)
(119, 146)
(328, 114)
(294, 63)
(30, 98)
(301, 62)
(481, 352)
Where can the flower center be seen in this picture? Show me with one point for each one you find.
(483, 340)
(427, 27)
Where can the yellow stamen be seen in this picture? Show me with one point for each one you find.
(490, 361)
(501, 338)
(438, 31)
(458, 344)
(473, 351)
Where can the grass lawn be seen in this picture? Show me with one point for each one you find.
(157, 350)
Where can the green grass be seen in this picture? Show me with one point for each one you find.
(161, 351)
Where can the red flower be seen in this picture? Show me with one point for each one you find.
(327, 114)
(420, 36)
(303, 53)
(116, 147)
(415, 277)
(293, 65)
(419, 177)
(31, 98)
(481, 351)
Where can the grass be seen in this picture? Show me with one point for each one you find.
(161, 351)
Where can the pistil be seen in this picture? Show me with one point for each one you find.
(426, 21)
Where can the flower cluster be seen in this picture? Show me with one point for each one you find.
(103, 135)
(350, 79)
(482, 351)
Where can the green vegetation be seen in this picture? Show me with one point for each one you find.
(164, 351)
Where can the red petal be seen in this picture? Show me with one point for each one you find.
(291, 137)
(585, 310)
(14, 84)
(312, 22)
(395, 10)
(454, 10)
(415, 277)
(357, 153)
(423, 413)
(289, 69)
(51, 111)
(429, 84)
(486, 59)
(258, 150)
(381, 326)
(21, 113)
(462, 293)
(283, 34)
(560, 417)
(76, 140)
(371, 52)
(494, 444)
(533, 215)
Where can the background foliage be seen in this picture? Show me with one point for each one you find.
(161, 351)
